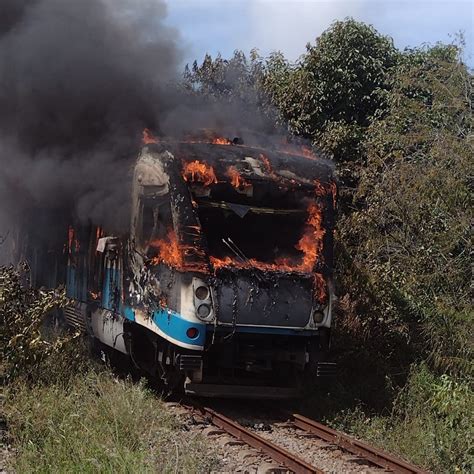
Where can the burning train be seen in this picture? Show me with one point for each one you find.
(223, 284)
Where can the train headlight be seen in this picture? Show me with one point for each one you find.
(318, 317)
(202, 297)
(202, 293)
(203, 311)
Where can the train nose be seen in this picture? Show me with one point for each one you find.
(277, 301)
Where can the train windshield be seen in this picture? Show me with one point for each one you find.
(246, 233)
(287, 237)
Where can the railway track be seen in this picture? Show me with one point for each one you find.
(309, 430)
(374, 455)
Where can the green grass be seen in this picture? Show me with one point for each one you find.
(98, 423)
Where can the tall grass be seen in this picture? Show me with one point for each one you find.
(98, 423)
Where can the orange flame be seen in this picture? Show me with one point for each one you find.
(218, 263)
(320, 290)
(73, 243)
(169, 251)
(236, 179)
(295, 149)
(162, 302)
(94, 295)
(195, 171)
(323, 189)
(70, 238)
(311, 244)
(221, 141)
(320, 189)
(99, 233)
(148, 137)
(308, 152)
(267, 165)
(333, 187)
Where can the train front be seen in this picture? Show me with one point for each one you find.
(240, 245)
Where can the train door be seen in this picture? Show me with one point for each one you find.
(109, 263)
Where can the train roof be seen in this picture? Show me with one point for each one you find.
(252, 162)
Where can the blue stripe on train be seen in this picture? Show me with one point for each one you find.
(174, 325)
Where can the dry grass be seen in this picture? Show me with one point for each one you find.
(98, 424)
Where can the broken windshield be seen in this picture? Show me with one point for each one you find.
(242, 235)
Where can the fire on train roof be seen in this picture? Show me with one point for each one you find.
(252, 162)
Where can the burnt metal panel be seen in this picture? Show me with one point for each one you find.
(284, 301)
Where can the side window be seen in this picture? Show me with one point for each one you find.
(149, 219)
(156, 221)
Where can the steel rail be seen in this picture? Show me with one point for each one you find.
(374, 455)
(278, 454)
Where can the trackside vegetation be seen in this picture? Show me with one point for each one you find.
(98, 423)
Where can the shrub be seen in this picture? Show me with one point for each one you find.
(26, 339)
(430, 424)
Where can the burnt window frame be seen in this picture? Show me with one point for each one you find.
(206, 205)
(158, 203)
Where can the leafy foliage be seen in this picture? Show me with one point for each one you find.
(225, 79)
(64, 416)
(23, 316)
(234, 88)
(336, 88)
(411, 234)
(430, 423)
(399, 125)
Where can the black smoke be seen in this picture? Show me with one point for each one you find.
(79, 80)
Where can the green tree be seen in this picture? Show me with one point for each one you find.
(225, 79)
(332, 94)
(411, 235)
(232, 90)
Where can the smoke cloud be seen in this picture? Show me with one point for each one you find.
(79, 81)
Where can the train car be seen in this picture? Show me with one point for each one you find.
(223, 285)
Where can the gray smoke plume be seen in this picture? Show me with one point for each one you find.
(79, 80)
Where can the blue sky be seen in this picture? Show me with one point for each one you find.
(225, 25)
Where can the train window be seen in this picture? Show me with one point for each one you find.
(156, 221)
(259, 233)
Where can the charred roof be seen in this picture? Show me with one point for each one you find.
(251, 162)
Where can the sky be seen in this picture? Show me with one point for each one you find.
(215, 26)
